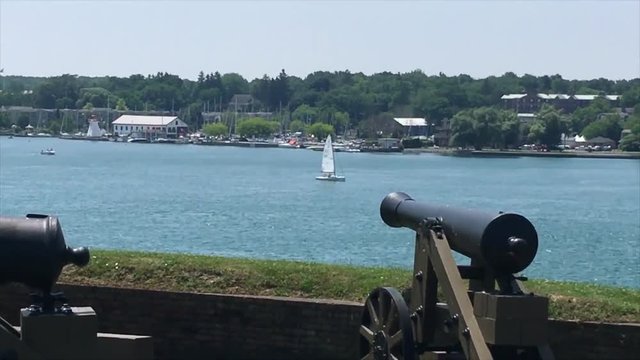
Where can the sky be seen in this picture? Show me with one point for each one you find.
(576, 39)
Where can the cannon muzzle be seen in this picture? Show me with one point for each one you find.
(505, 242)
(33, 251)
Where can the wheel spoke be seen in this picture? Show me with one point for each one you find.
(369, 356)
(392, 323)
(382, 310)
(395, 339)
(372, 314)
(367, 333)
(390, 315)
(386, 322)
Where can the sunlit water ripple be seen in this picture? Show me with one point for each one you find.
(265, 203)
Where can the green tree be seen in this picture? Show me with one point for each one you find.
(53, 126)
(631, 97)
(364, 98)
(529, 84)
(279, 92)
(257, 127)
(487, 126)
(65, 86)
(215, 129)
(5, 122)
(549, 126)
(607, 126)
(94, 95)
(633, 122)
(233, 84)
(297, 125)
(536, 131)
(23, 121)
(432, 105)
(260, 89)
(559, 85)
(340, 120)
(305, 113)
(463, 132)
(631, 141)
(484, 127)
(321, 130)
(510, 129)
(585, 90)
(68, 123)
(121, 105)
(586, 115)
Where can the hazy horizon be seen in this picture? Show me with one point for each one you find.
(579, 40)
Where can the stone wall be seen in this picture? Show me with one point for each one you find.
(195, 326)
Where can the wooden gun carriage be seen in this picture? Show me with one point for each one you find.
(492, 318)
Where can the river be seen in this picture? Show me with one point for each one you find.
(265, 203)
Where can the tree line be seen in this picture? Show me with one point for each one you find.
(342, 99)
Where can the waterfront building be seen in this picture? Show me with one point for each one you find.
(601, 141)
(531, 103)
(526, 118)
(414, 126)
(150, 127)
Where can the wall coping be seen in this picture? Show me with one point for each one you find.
(298, 300)
(237, 296)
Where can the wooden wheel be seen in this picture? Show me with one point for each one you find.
(385, 330)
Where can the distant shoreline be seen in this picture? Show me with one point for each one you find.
(525, 153)
(442, 151)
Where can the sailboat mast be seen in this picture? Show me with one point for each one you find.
(334, 159)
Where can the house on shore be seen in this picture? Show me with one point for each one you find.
(601, 141)
(150, 127)
(414, 126)
(531, 103)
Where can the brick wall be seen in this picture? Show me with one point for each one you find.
(198, 326)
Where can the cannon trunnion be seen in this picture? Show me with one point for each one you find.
(490, 318)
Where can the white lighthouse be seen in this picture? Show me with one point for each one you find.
(94, 128)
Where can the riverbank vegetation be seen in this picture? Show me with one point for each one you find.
(364, 104)
(206, 274)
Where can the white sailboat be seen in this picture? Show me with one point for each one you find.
(329, 163)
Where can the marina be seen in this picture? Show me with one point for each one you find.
(265, 203)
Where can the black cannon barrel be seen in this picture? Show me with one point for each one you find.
(33, 251)
(506, 242)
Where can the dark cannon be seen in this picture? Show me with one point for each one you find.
(506, 242)
(491, 317)
(33, 252)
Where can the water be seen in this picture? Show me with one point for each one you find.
(265, 203)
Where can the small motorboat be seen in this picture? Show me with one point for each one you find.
(47, 152)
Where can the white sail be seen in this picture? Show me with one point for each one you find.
(328, 165)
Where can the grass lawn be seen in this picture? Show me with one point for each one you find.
(208, 274)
